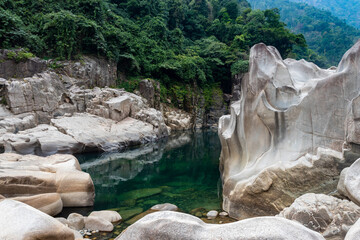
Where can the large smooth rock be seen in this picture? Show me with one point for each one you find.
(43, 140)
(111, 216)
(49, 203)
(97, 133)
(349, 183)
(354, 232)
(176, 226)
(30, 175)
(20, 221)
(288, 109)
(328, 215)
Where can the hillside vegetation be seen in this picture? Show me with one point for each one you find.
(325, 34)
(194, 42)
(343, 9)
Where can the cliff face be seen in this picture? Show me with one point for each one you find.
(285, 135)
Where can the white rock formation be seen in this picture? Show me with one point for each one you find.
(349, 183)
(31, 175)
(97, 133)
(97, 223)
(20, 221)
(164, 207)
(287, 109)
(174, 226)
(43, 140)
(111, 216)
(330, 216)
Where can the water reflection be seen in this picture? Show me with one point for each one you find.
(182, 169)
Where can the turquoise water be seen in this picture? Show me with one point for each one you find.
(182, 169)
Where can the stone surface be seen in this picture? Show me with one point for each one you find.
(97, 133)
(49, 203)
(111, 216)
(43, 94)
(212, 214)
(328, 215)
(349, 183)
(177, 119)
(12, 69)
(30, 175)
(43, 140)
(287, 109)
(223, 214)
(97, 223)
(20, 221)
(172, 225)
(76, 221)
(354, 232)
(63, 221)
(90, 71)
(165, 207)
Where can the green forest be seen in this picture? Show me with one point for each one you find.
(198, 43)
(327, 35)
(343, 9)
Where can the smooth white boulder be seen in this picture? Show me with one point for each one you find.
(212, 214)
(97, 223)
(49, 203)
(165, 207)
(20, 221)
(175, 226)
(111, 216)
(27, 175)
(349, 183)
(288, 109)
(330, 216)
(76, 221)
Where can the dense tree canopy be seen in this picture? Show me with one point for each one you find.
(328, 36)
(198, 42)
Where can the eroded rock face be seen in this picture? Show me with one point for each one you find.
(287, 109)
(31, 175)
(328, 215)
(20, 221)
(12, 69)
(173, 226)
(91, 72)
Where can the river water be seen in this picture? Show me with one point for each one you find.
(182, 169)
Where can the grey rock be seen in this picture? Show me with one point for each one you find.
(12, 69)
(97, 223)
(179, 226)
(43, 140)
(30, 223)
(90, 72)
(349, 183)
(76, 221)
(288, 109)
(111, 216)
(330, 216)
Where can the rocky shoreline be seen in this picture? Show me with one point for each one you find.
(288, 163)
